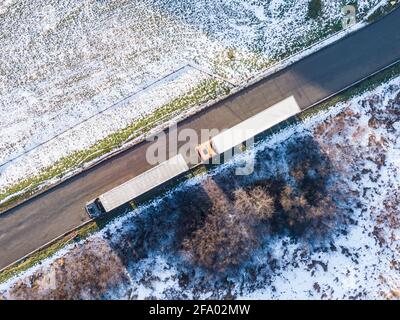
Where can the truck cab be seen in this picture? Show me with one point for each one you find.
(94, 208)
(206, 151)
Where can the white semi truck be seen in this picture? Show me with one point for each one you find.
(175, 166)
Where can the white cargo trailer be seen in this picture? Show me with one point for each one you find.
(138, 186)
(249, 128)
(164, 172)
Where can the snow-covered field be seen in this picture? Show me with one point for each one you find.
(356, 146)
(63, 62)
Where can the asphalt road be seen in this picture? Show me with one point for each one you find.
(41, 219)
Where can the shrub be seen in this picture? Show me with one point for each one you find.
(229, 234)
(230, 54)
(314, 8)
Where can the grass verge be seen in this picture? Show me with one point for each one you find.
(205, 91)
(48, 251)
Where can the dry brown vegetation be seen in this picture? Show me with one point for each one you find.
(241, 214)
(97, 271)
(228, 234)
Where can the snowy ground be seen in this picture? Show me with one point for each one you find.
(70, 60)
(140, 255)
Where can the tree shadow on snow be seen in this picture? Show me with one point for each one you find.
(215, 225)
